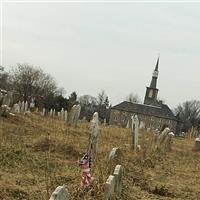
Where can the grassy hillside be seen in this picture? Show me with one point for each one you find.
(38, 154)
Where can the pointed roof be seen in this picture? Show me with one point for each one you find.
(156, 68)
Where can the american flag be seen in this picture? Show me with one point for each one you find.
(85, 164)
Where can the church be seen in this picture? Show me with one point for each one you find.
(153, 114)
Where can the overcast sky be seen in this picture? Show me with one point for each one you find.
(88, 47)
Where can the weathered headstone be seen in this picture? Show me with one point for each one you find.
(135, 131)
(43, 112)
(115, 152)
(109, 187)
(62, 114)
(4, 110)
(66, 115)
(51, 112)
(169, 141)
(60, 193)
(118, 173)
(77, 113)
(8, 99)
(128, 124)
(26, 106)
(94, 126)
(59, 115)
(197, 143)
(22, 107)
(54, 112)
(16, 108)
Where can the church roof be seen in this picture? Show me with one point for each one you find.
(161, 112)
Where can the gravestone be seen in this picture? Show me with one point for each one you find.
(4, 111)
(128, 124)
(77, 113)
(94, 130)
(51, 112)
(22, 107)
(54, 112)
(135, 131)
(118, 173)
(163, 135)
(115, 153)
(8, 99)
(109, 187)
(62, 114)
(43, 112)
(66, 115)
(197, 143)
(16, 108)
(59, 115)
(60, 193)
(169, 141)
(26, 106)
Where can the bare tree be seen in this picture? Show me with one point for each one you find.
(189, 113)
(134, 98)
(28, 80)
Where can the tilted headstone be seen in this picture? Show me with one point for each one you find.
(94, 127)
(127, 125)
(135, 131)
(163, 135)
(66, 115)
(60, 193)
(118, 173)
(109, 187)
(115, 152)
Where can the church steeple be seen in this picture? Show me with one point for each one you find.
(152, 91)
(155, 75)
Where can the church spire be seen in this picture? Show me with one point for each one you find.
(152, 91)
(155, 75)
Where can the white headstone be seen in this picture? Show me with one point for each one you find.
(118, 173)
(109, 187)
(60, 193)
(43, 112)
(51, 113)
(59, 115)
(94, 126)
(22, 107)
(135, 130)
(26, 106)
(16, 108)
(62, 113)
(115, 152)
(66, 115)
(54, 112)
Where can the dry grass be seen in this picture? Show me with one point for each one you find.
(38, 154)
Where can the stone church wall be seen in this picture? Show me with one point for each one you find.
(120, 118)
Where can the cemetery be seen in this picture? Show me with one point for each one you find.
(59, 157)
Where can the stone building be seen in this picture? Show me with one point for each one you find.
(152, 114)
